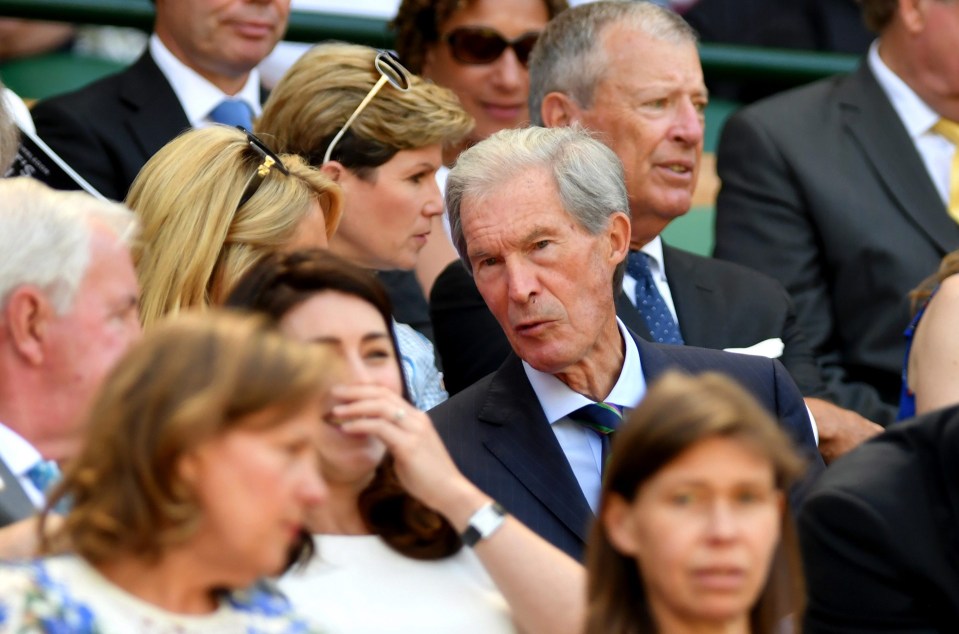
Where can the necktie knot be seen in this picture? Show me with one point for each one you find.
(650, 303)
(233, 112)
(948, 129)
(603, 418)
(43, 475)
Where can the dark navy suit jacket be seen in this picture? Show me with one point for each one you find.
(107, 130)
(500, 439)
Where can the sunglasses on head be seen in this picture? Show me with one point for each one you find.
(483, 45)
(269, 162)
(391, 71)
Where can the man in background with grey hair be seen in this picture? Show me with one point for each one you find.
(68, 311)
(539, 216)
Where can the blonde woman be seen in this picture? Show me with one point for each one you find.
(379, 132)
(213, 202)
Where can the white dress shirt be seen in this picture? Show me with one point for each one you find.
(196, 95)
(935, 150)
(19, 455)
(583, 447)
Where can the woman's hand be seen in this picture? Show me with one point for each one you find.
(422, 463)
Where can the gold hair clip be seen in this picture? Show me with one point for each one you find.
(265, 166)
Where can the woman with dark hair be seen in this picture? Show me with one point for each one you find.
(390, 538)
(694, 534)
(195, 480)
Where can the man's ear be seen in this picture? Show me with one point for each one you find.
(913, 14)
(559, 111)
(28, 315)
(619, 235)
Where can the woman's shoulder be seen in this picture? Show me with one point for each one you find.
(38, 596)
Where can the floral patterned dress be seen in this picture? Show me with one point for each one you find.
(65, 595)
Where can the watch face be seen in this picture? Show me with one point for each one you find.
(484, 523)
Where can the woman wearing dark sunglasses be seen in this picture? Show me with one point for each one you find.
(479, 50)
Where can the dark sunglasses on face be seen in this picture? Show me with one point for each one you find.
(483, 45)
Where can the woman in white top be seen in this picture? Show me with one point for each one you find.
(390, 553)
(197, 474)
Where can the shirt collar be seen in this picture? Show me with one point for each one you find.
(915, 115)
(654, 249)
(18, 454)
(558, 400)
(196, 94)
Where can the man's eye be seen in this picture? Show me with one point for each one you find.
(542, 244)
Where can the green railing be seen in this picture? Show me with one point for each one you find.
(785, 67)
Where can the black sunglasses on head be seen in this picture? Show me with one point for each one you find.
(483, 45)
(270, 161)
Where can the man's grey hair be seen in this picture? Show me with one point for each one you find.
(588, 175)
(45, 237)
(9, 134)
(570, 57)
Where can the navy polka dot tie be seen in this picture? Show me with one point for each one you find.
(649, 303)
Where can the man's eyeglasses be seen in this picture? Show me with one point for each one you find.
(270, 162)
(483, 45)
(391, 71)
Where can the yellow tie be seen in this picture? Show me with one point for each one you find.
(950, 130)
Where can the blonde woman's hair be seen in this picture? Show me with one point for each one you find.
(322, 89)
(197, 239)
(188, 381)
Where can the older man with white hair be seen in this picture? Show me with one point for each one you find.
(68, 310)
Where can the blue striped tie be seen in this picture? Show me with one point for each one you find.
(602, 418)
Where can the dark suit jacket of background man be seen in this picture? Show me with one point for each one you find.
(824, 190)
(499, 437)
(880, 534)
(14, 503)
(107, 130)
(719, 305)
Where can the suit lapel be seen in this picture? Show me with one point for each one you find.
(871, 121)
(14, 503)
(156, 115)
(518, 434)
(696, 301)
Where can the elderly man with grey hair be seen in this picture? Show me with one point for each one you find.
(539, 217)
(584, 71)
(68, 310)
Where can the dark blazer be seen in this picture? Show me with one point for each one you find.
(880, 534)
(824, 190)
(14, 503)
(107, 130)
(499, 437)
(719, 305)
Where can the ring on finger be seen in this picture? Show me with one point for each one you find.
(399, 415)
